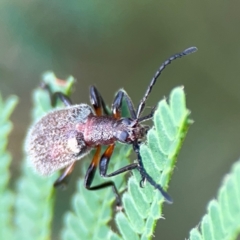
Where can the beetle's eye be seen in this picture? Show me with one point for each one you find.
(126, 121)
(121, 136)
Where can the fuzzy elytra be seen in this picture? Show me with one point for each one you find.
(66, 135)
(54, 142)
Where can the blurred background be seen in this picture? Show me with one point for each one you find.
(115, 44)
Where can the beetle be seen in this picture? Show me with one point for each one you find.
(66, 135)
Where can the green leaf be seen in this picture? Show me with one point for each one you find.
(195, 235)
(222, 218)
(6, 196)
(125, 228)
(34, 204)
(143, 206)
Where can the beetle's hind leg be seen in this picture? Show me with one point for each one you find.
(104, 161)
(56, 95)
(62, 181)
(90, 176)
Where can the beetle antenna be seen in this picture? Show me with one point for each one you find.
(158, 73)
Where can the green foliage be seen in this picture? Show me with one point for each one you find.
(92, 211)
(143, 206)
(6, 196)
(34, 203)
(222, 220)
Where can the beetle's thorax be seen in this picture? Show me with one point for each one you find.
(105, 130)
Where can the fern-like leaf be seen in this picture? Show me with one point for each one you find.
(222, 221)
(6, 196)
(34, 204)
(92, 210)
(143, 206)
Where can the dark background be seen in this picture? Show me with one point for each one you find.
(115, 44)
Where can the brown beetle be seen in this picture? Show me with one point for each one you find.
(66, 135)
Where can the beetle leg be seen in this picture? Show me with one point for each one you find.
(149, 116)
(64, 98)
(136, 148)
(90, 175)
(146, 177)
(97, 102)
(117, 104)
(130, 105)
(61, 181)
(57, 95)
(104, 161)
